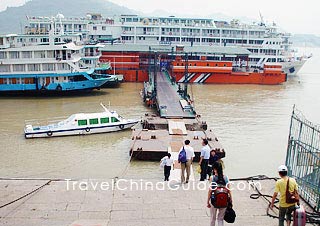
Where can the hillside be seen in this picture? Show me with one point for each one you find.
(306, 40)
(13, 19)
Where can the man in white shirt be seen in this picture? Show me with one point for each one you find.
(204, 159)
(186, 166)
(168, 162)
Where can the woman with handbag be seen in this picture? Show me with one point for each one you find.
(289, 197)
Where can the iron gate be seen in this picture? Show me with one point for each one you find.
(303, 157)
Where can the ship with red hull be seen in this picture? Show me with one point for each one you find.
(224, 73)
(223, 65)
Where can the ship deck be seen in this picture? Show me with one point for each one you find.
(155, 144)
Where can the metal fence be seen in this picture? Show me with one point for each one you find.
(303, 157)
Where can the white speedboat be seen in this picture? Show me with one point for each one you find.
(81, 124)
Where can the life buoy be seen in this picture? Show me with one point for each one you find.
(170, 33)
(87, 129)
(124, 32)
(145, 21)
(121, 126)
(210, 44)
(49, 133)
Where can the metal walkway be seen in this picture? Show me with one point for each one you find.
(168, 99)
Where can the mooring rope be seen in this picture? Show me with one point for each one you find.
(33, 191)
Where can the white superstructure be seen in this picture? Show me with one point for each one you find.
(264, 41)
(47, 52)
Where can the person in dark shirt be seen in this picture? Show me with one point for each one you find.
(213, 158)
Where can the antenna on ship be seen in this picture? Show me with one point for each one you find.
(104, 107)
(261, 19)
(60, 17)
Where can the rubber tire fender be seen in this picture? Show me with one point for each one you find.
(59, 88)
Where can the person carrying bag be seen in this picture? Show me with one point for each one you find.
(219, 195)
(287, 187)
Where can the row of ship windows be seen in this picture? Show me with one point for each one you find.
(208, 40)
(95, 121)
(35, 67)
(216, 65)
(26, 54)
(183, 21)
(204, 31)
(48, 26)
(43, 80)
(32, 80)
(95, 28)
(36, 40)
(36, 54)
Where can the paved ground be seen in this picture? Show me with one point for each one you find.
(59, 205)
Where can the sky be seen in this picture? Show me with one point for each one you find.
(291, 15)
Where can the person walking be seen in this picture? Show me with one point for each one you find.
(167, 163)
(185, 166)
(218, 180)
(213, 158)
(204, 159)
(285, 209)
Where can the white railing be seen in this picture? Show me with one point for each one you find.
(45, 122)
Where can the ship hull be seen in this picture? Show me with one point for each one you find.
(135, 65)
(233, 78)
(292, 68)
(49, 83)
(80, 131)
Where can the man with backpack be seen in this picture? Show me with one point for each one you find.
(219, 195)
(185, 157)
(285, 186)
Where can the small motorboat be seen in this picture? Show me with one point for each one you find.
(81, 124)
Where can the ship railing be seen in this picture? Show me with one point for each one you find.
(5, 46)
(45, 122)
(76, 56)
(92, 54)
(74, 66)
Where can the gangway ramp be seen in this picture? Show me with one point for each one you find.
(168, 99)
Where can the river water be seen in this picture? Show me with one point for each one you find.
(251, 121)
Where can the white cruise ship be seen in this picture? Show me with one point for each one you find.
(49, 63)
(265, 42)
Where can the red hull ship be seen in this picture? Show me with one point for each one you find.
(230, 68)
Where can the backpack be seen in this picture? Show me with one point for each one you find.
(220, 195)
(182, 156)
